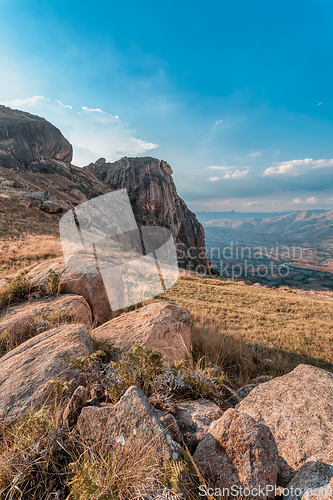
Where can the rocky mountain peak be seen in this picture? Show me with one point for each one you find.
(26, 139)
(155, 201)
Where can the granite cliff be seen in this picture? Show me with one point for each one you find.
(35, 162)
(155, 201)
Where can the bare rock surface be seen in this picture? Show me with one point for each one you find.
(239, 452)
(130, 426)
(194, 419)
(163, 326)
(85, 281)
(27, 372)
(17, 320)
(298, 408)
(313, 480)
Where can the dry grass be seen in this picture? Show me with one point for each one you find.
(251, 331)
(26, 236)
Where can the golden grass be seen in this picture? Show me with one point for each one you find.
(251, 331)
(26, 236)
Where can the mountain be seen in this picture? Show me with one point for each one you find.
(36, 171)
(307, 226)
(155, 201)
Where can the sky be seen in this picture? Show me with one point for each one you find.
(236, 96)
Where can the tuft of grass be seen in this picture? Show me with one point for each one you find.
(16, 289)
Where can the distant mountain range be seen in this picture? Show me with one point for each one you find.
(306, 226)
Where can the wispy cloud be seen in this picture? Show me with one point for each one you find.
(93, 132)
(217, 122)
(298, 167)
(320, 103)
(214, 179)
(255, 154)
(230, 172)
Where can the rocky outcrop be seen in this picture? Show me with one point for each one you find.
(28, 371)
(26, 138)
(163, 326)
(241, 453)
(20, 320)
(298, 408)
(74, 406)
(130, 426)
(155, 201)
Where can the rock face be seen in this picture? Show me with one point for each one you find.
(130, 426)
(18, 320)
(155, 201)
(194, 419)
(298, 408)
(88, 284)
(239, 452)
(27, 372)
(163, 326)
(25, 138)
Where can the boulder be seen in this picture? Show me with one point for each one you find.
(313, 480)
(27, 372)
(130, 426)
(298, 408)
(85, 281)
(163, 326)
(194, 419)
(241, 453)
(19, 320)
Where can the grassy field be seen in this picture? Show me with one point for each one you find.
(251, 331)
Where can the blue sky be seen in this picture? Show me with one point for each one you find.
(236, 96)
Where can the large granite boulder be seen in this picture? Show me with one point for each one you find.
(28, 371)
(298, 408)
(19, 320)
(132, 426)
(163, 326)
(239, 453)
(85, 281)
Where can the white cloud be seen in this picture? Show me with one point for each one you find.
(255, 154)
(312, 200)
(320, 103)
(217, 123)
(298, 167)
(309, 201)
(253, 204)
(214, 179)
(231, 172)
(94, 133)
(64, 105)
